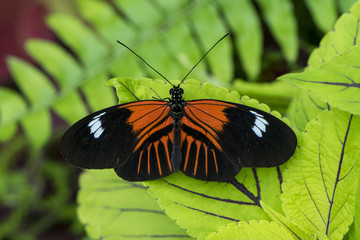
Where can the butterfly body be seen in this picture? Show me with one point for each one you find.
(206, 139)
(176, 111)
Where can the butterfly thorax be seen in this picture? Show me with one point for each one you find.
(176, 103)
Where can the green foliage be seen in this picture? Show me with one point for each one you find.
(251, 230)
(312, 196)
(354, 231)
(111, 208)
(321, 179)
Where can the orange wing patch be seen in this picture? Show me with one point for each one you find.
(165, 141)
(206, 117)
(203, 122)
(209, 111)
(148, 118)
(153, 126)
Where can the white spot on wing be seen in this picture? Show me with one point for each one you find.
(256, 114)
(98, 132)
(97, 116)
(95, 126)
(257, 131)
(92, 122)
(263, 120)
(260, 124)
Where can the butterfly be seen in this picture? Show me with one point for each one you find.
(206, 139)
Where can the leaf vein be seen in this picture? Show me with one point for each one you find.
(209, 197)
(338, 174)
(208, 213)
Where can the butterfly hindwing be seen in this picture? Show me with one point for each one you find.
(152, 160)
(202, 160)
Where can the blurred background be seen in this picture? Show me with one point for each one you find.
(52, 81)
(36, 201)
(22, 20)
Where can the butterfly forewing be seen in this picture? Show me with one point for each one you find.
(255, 138)
(135, 133)
(85, 142)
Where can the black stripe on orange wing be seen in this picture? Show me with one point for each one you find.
(203, 156)
(151, 157)
(201, 160)
(111, 137)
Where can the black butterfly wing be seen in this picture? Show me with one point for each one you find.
(100, 140)
(133, 138)
(255, 138)
(218, 138)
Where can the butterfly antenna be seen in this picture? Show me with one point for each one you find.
(203, 57)
(123, 44)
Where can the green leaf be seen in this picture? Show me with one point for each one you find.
(98, 97)
(220, 69)
(337, 82)
(277, 94)
(340, 40)
(128, 90)
(279, 15)
(180, 31)
(202, 207)
(56, 61)
(39, 91)
(144, 15)
(105, 19)
(67, 74)
(345, 5)
(252, 230)
(12, 106)
(79, 38)
(303, 108)
(354, 231)
(321, 178)
(247, 27)
(324, 13)
(115, 209)
(281, 220)
(33, 84)
(38, 127)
